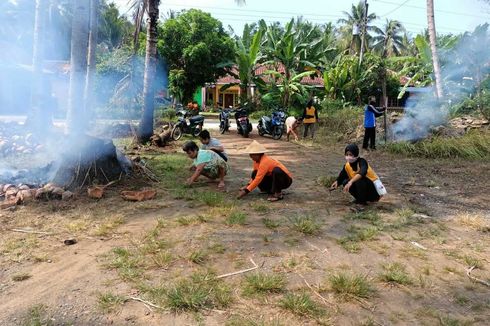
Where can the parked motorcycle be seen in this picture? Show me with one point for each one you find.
(243, 125)
(273, 125)
(224, 120)
(187, 124)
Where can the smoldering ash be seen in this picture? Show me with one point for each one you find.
(464, 69)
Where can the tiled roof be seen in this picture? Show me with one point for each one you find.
(261, 69)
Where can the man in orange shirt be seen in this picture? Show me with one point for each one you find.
(270, 175)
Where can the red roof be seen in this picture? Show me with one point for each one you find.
(261, 69)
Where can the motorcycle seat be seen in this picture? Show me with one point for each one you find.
(196, 119)
(266, 119)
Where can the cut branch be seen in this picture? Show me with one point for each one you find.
(242, 271)
(475, 279)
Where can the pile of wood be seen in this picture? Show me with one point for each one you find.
(161, 136)
(23, 193)
(468, 122)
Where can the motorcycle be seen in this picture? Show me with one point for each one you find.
(243, 125)
(224, 120)
(273, 125)
(187, 124)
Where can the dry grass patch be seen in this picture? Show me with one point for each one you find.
(239, 320)
(236, 218)
(474, 221)
(271, 223)
(108, 226)
(21, 277)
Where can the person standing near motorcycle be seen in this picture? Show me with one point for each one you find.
(310, 118)
(212, 144)
(206, 163)
(270, 175)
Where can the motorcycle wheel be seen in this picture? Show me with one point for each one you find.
(245, 133)
(261, 131)
(176, 133)
(197, 131)
(222, 127)
(277, 133)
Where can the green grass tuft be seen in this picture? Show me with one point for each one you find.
(395, 273)
(305, 224)
(200, 291)
(198, 257)
(109, 302)
(261, 283)
(270, 223)
(350, 286)
(236, 218)
(302, 305)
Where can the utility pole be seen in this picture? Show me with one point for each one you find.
(364, 31)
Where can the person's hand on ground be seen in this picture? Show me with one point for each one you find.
(241, 193)
(192, 168)
(347, 186)
(334, 185)
(188, 182)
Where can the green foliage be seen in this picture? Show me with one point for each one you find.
(37, 316)
(473, 145)
(109, 302)
(195, 47)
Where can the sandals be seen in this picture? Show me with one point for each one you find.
(274, 198)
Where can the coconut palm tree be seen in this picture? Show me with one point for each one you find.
(351, 29)
(76, 122)
(432, 39)
(92, 46)
(37, 93)
(389, 41)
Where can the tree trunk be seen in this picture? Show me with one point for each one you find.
(76, 122)
(432, 39)
(38, 119)
(145, 130)
(89, 97)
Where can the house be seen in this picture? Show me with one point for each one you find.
(213, 94)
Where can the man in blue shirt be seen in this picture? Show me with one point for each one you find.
(370, 115)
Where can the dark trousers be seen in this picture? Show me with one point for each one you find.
(369, 136)
(309, 128)
(221, 155)
(363, 191)
(275, 182)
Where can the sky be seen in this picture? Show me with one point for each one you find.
(452, 16)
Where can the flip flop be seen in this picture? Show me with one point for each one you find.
(274, 199)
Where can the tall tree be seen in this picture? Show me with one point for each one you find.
(351, 29)
(433, 47)
(197, 50)
(76, 122)
(145, 129)
(388, 42)
(37, 94)
(91, 61)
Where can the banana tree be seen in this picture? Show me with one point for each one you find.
(247, 56)
(288, 90)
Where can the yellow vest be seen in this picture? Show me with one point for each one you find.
(310, 112)
(351, 173)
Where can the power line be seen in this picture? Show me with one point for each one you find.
(436, 10)
(396, 8)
